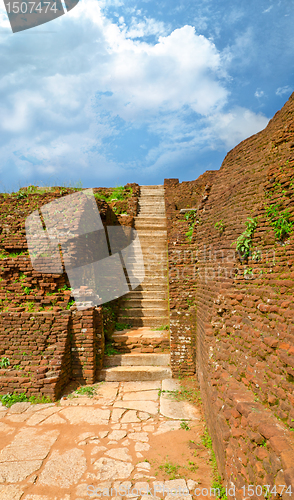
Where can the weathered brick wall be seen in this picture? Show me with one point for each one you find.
(182, 259)
(38, 348)
(87, 344)
(244, 329)
(48, 349)
(46, 344)
(245, 311)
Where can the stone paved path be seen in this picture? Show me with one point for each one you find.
(66, 450)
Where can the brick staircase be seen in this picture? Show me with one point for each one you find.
(144, 351)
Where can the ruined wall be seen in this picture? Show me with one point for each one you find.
(245, 310)
(183, 202)
(48, 349)
(46, 340)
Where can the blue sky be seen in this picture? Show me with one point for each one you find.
(124, 91)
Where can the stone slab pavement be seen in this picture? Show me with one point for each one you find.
(80, 446)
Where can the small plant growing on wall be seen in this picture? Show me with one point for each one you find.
(4, 363)
(191, 218)
(279, 221)
(244, 242)
(220, 226)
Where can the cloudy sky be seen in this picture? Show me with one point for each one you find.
(119, 91)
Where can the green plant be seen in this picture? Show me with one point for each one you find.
(220, 226)
(160, 328)
(220, 490)
(9, 399)
(279, 221)
(121, 326)
(256, 256)
(191, 218)
(86, 390)
(192, 466)
(109, 350)
(248, 271)
(170, 469)
(184, 425)
(206, 440)
(244, 241)
(71, 303)
(4, 363)
(26, 290)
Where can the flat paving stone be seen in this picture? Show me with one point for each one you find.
(141, 395)
(19, 407)
(29, 443)
(63, 469)
(10, 492)
(119, 453)
(116, 414)
(141, 386)
(142, 446)
(139, 436)
(130, 417)
(108, 468)
(177, 410)
(54, 419)
(45, 497)
(170, 384)
(14, 472)
(117, 435)
(80, 415)
(148, 406)
(176, 485)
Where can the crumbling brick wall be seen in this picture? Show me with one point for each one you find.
(182, 260)
(244, 327)
(47, 342)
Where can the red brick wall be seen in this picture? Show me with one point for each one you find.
(182, 258)
(87, 344)
(244, 329)
(48, 349)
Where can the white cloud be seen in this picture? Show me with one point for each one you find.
(259, 93)
(237, 125)
(65, 97)
(267, 10)
(283, 90)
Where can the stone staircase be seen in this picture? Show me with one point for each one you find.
(148, 304)
(144, 345)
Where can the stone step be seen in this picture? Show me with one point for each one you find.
(137, 360)
(159, 287)
(150, 226)
(134, 373)
(152, 322)
(144, 303)
(151, 218)
(139, 312)
(147, 294)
